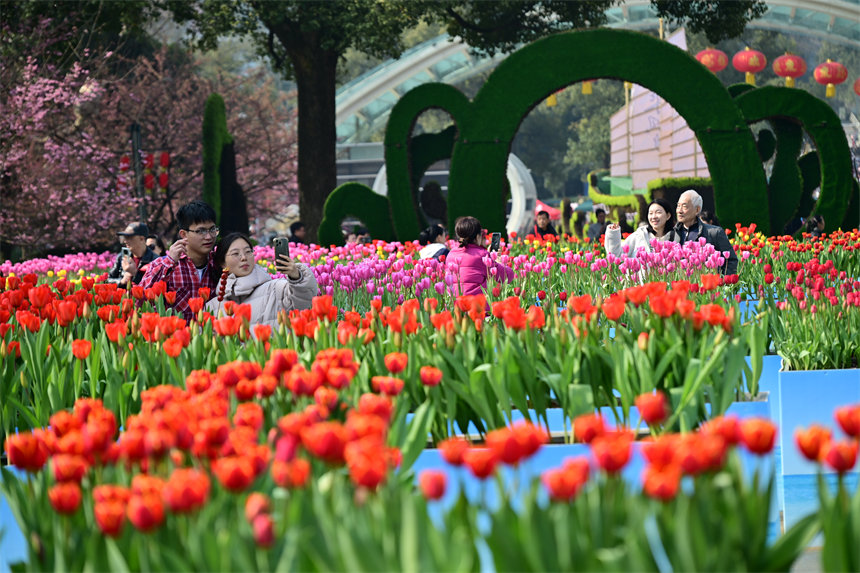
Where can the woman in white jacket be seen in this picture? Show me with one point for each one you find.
(661, 223)
(249, 283)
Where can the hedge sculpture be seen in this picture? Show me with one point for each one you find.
(486, 126)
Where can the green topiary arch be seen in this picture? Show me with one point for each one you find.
(477, 184)
(800, 109)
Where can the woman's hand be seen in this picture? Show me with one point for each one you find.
(286, 266)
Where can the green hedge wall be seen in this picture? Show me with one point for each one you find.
(215, 136)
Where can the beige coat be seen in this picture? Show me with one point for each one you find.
(638, 239)
(267, 296)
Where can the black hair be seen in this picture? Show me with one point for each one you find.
(225, 243)
(296, 226)
(545, 213)
(670, 222)
(158, 243)
(599, 211)
(195, 212)
(813, 222)
(468, 229)
(709, 218)
(430, 234)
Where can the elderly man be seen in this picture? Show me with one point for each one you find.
(131, 264)
(690, 227)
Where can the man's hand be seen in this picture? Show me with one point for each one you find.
(286, 266)
(178, 248)
(129, 267)
(612, 226)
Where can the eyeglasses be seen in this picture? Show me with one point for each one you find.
(212, 231)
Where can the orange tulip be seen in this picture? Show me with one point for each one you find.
(841, 455)
(661, 483)
(812, 441)
(480, 461)
(653, 408)
(848, 418)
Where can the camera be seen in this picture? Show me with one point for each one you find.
(126, 252)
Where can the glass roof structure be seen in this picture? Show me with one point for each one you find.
(364, 103)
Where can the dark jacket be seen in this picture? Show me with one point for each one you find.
(715, 236)
(116, 270)
(550, 230)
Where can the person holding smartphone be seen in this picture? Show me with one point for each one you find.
(470, 261)
(249, 283)
(132, 262)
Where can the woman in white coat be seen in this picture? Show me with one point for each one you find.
(661, 223)
(249, 283)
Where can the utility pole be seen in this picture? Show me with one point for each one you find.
(138, 170)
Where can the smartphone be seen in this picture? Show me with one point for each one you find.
(495, 241)
(282, 247)
(126, 252)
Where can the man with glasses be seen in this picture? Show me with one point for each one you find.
(189, 263)
(131, 264)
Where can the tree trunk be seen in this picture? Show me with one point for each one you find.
(315, 71)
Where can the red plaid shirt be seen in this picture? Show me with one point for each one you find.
(183, 278)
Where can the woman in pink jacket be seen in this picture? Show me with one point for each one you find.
(470, 262)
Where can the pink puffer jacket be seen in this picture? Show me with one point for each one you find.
(470, 276)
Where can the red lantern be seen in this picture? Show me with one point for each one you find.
(162, 179)
(857, 86)
(713, 59)
(751, 62)
(149, 160)
(149, 180)
(124, 163)
(789, 66)
(164, 160)
(829, 74)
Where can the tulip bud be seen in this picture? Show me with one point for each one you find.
(642, 341)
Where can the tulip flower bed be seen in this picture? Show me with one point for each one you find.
(205, 478)
(322, 417)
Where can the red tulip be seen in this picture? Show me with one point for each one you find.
(653, 408)
(812, 441)
(235, 473)
(453, 449)
(564, 483)
(480, 461)
(661, 483)
(186, 490)
(257, 504)
(841, 455)
(433, 483)
(387, 385)
(145, 512)
(758, 435)
(612, 450)
(430, 375)
(366, 461)
(291, 475)
(81, 348)
(848, 418)
(325, 440)
(396, 362)
(27, 452)
(65, 497)
(69, 468)
(588, 427)
(110, 516)
(264, 531)
(377, 405)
